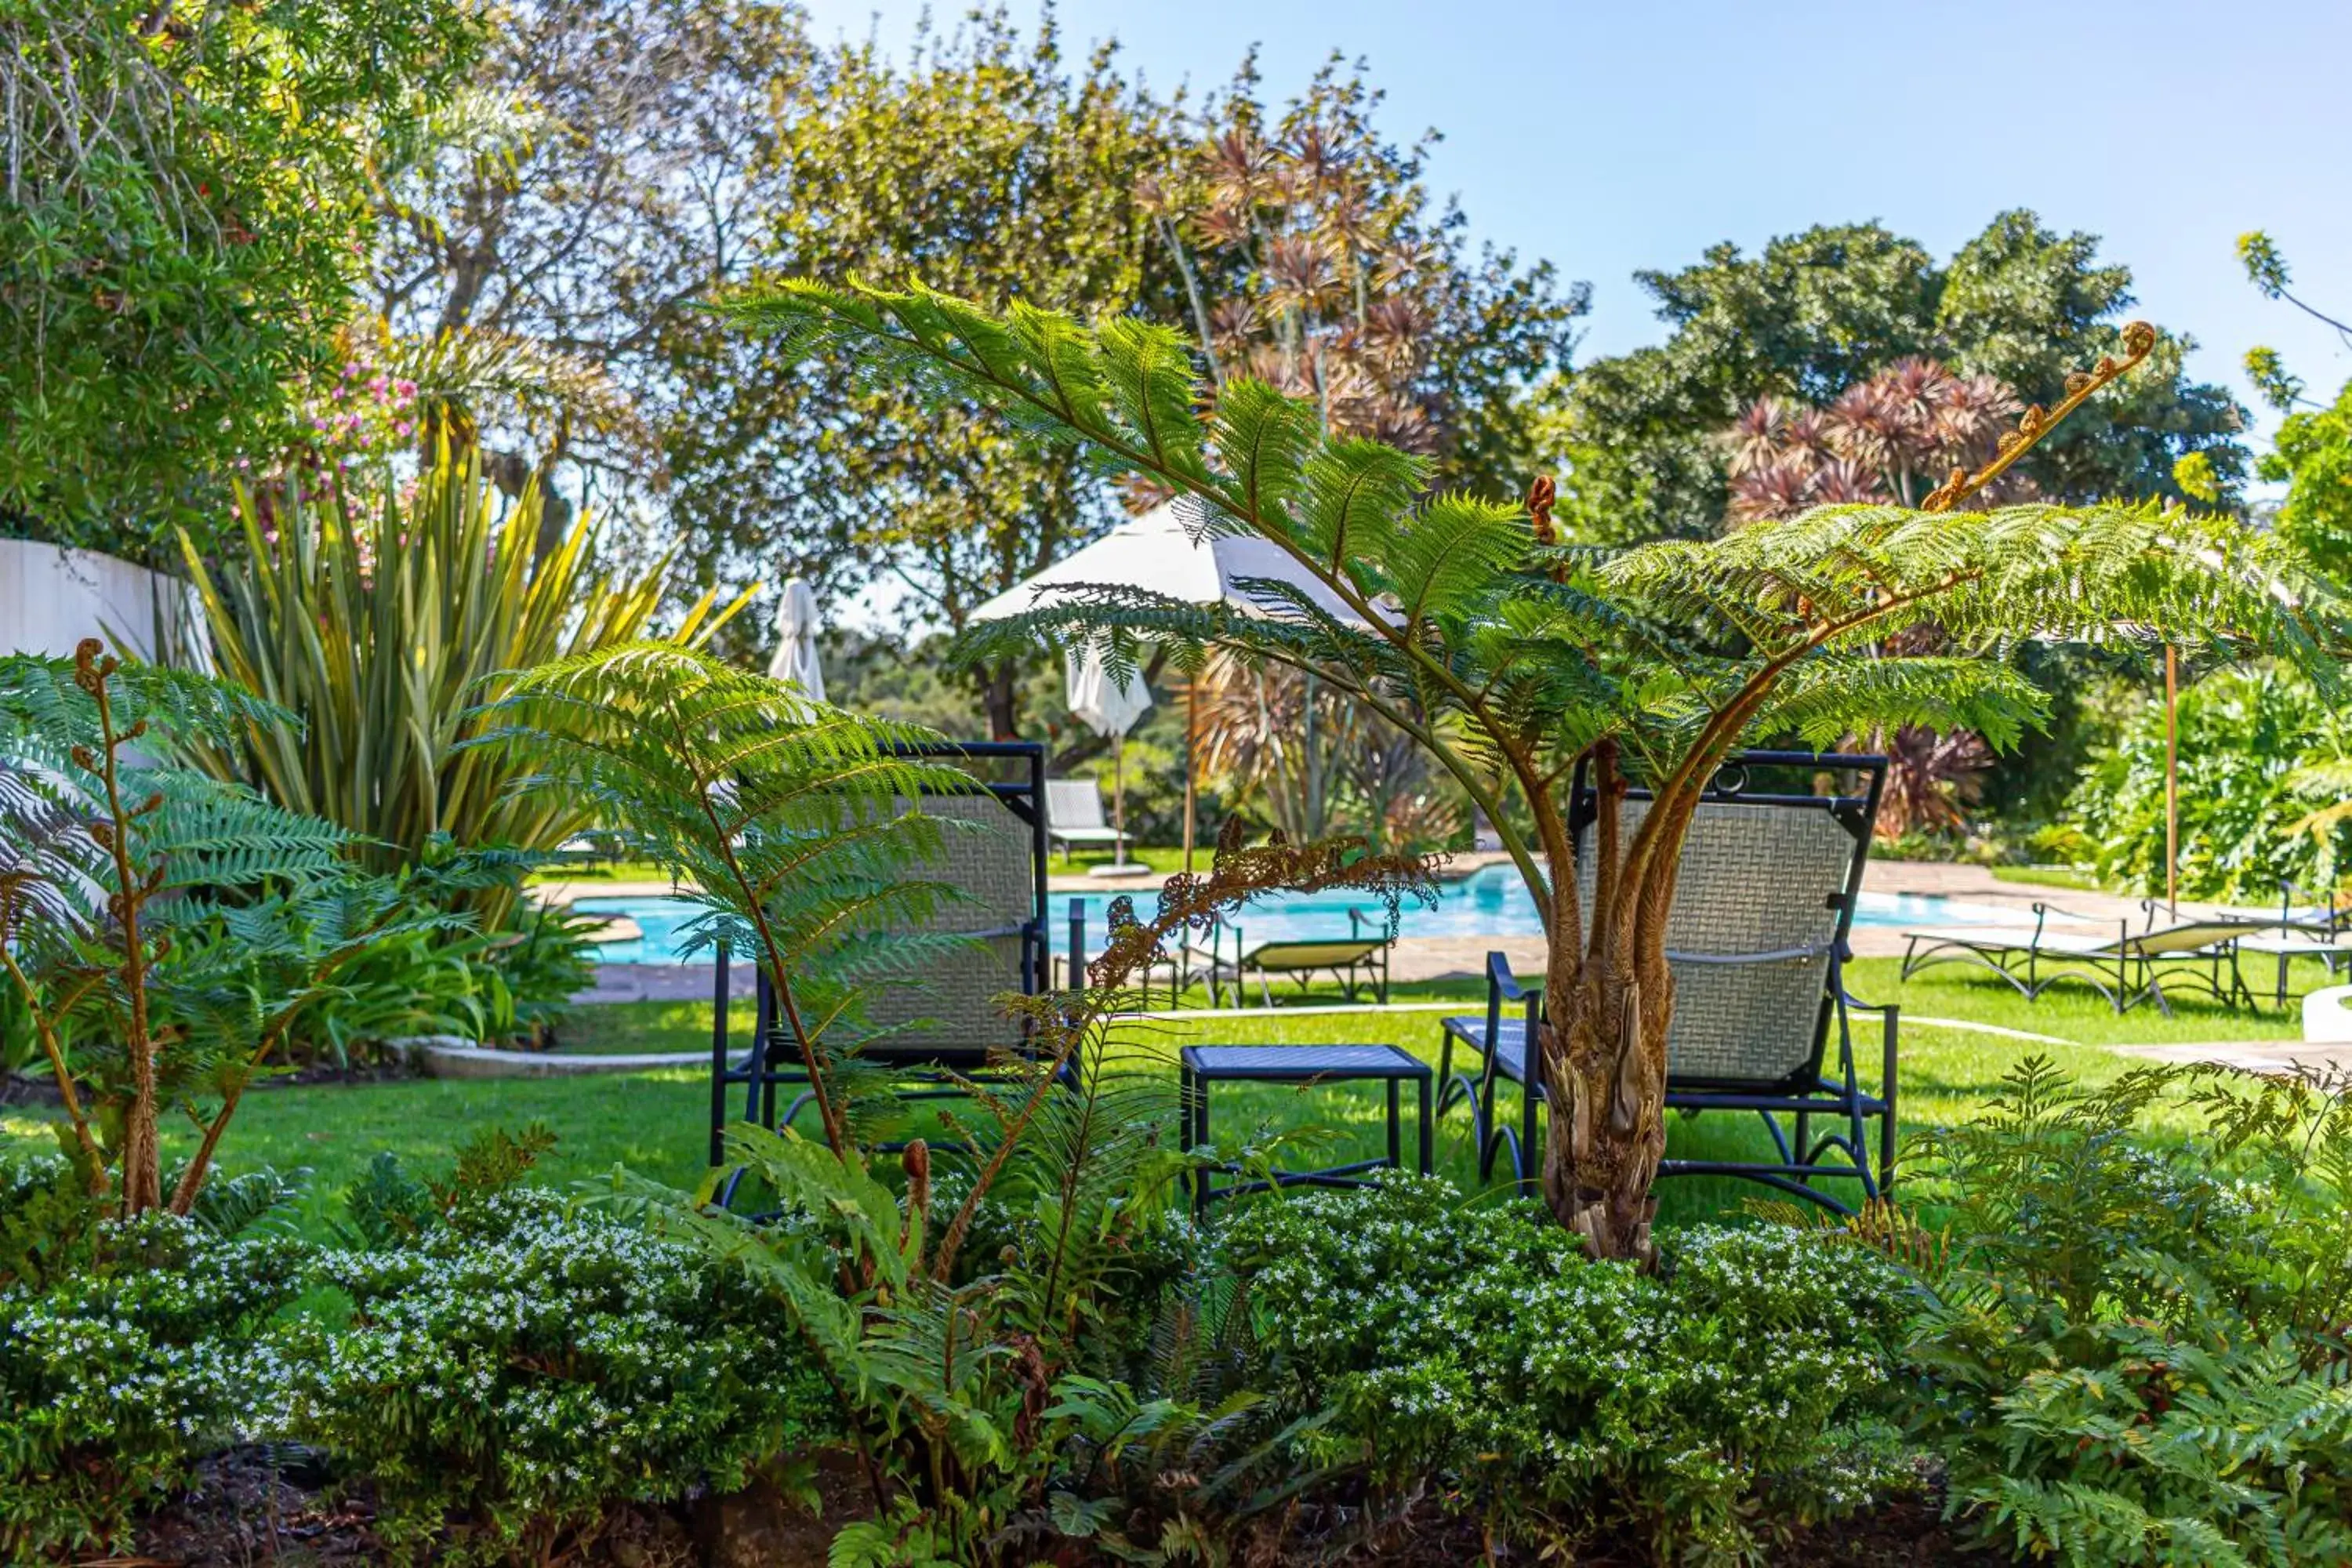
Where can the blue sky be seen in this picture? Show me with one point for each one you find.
(1608, 138)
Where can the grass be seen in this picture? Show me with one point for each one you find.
(1161, 859)
(2072, 1014)
(2048, 877)
(655, 1122)
(600, 871)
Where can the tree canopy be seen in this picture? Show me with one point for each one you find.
(2313, 456)
(602, 170)
(180, 238)
(1314, 258)
(990, 159)
(1820, 311)
(991, 163)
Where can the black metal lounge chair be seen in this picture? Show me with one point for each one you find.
(1350, 960)
(950, 1025)
(2318, 928)
(1756, 938)
(2126, 966)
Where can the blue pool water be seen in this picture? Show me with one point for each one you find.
(1489, 902)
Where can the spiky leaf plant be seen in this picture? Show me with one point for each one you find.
(375, 614)
(118, 877)
(1512, 659)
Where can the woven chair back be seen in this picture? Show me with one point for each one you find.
(1766, 882)
(950, 1012)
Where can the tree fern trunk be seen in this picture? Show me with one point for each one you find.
(1607, 1007)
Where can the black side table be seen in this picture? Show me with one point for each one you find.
(1390, 1065)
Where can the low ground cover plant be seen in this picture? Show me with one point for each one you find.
(1739, 1391)
(502, 1368)
(509, 1374)
(128, 1350)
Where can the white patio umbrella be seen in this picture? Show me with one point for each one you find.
(1110, 707)
(1170, 551)
(796, 624)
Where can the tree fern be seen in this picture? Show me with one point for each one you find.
(795, 825)
(163, 930)
(1512, 659)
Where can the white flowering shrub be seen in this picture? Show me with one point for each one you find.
(1553, 1392)
(512, 1373)
(117, 1375)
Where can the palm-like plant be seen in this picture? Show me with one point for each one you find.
(1884, 440)
(1512, 659)
(1304, 757)
(1298, 255)
(377, 616)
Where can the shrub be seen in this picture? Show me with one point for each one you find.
(2138, 1354)
(1480, 1344)
(2244, 736)
(114, 1377)
(522, 1365)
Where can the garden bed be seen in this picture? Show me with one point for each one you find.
(254, 1507)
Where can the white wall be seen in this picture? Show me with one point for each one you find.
(51, 598)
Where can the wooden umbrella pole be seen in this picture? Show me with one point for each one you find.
(1118, 794)
(2171, 782)
(1188, 711)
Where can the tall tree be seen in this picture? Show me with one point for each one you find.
(2313, 456)
(1823, 310)
(601, 171)
(181, 206)
(989, 161)
(1313, 258)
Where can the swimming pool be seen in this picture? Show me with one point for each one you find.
(1492, 901)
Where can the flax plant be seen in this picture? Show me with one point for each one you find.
(378, 617)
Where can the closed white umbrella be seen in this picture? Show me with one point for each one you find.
(796, 626)
(1170, 549)
(1110, 707)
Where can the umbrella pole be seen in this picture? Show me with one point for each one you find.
(1119, 793)
(1189, 710)
(2171, 783)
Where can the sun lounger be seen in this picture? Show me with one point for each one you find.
(2125, 966)
(1351, 960)
(2286, 943)
(1074, 817)
(946, 1028)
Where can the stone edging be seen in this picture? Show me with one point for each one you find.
(447, 1055)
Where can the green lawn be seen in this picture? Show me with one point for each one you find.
(655, 1122)
(1163, 858)
(2048, 877)
(2069, 1013)
(601, 871)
